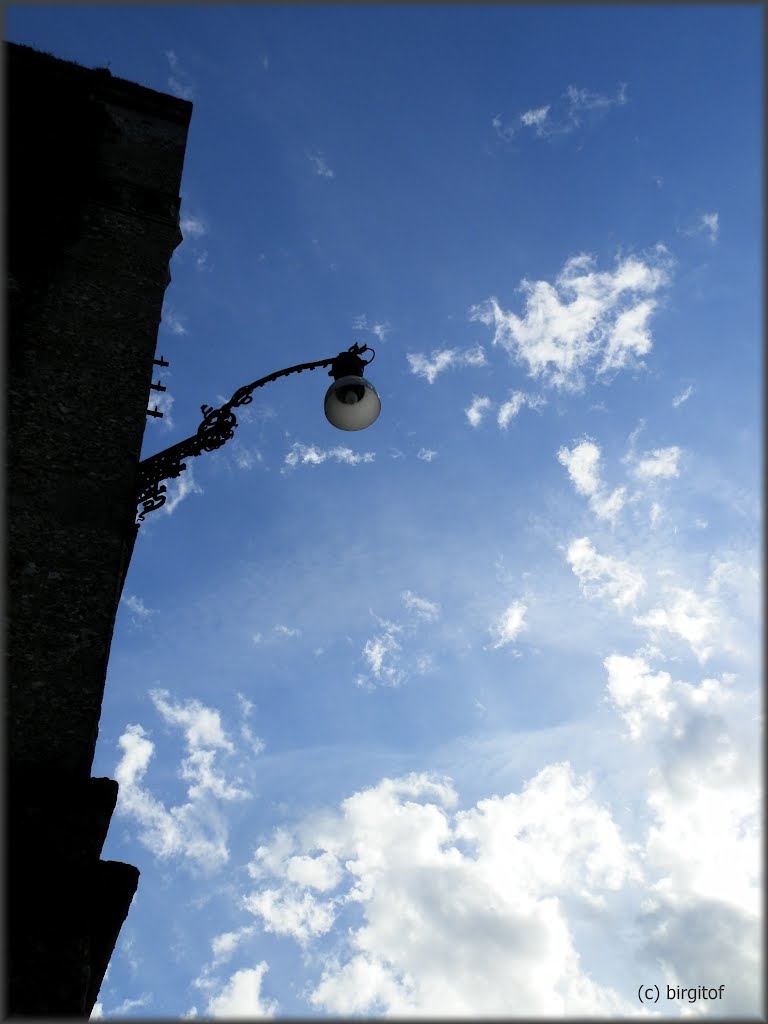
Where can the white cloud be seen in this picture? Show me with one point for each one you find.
(287, 631)
(136, 605)
(380, 330)
(583, 465)
(638, 694)
(193, 227)
(477, 409)
(708, 224)
(504, 131)
(660, 463)
(603, 576)
(425, 454)
(510, 624)
(286, 913)
(309, 454)
(584, 317)
(516, 401)
(382, 652)
(241, 997)
(423, 608)
(176, 82)
(683, 396)
(173, 322)
(195, 831)
(321, 167)
(443, 932)
(441, 359)
(584, 99)
(535, 118)
(685, 614)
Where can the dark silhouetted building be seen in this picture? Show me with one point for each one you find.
(93, 174)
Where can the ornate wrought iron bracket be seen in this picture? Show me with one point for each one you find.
(218, 426)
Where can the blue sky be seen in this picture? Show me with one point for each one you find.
(458, 714)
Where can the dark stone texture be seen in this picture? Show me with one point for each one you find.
(94, 168)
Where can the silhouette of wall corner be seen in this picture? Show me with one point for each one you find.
(94, 168)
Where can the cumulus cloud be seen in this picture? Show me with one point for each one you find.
(476, 410)
(320, 166)
(382, 652)
(703, 798)
(450, 931)
(583, 465)
(441, 359)
(586, 317)
(241, 997)
(603, 576)
(310, 455)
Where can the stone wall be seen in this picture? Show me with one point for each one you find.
(94, 168)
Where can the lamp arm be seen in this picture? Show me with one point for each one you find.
(216, 428)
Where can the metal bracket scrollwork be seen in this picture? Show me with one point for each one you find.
(218, 427)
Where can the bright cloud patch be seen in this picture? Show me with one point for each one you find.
(585, 318)
(510, 624)
(682, 397)
(310, 455)
(241, 998)
(583, 465)
(476, 410)
(516, 401)
(320, 166)
(661, 463)
(441, 359)
(443, 932)
(688, 616)
(536, 117)
(603, 576)
(196, 830)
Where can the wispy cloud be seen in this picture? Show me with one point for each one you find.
(565, 115)
(585, 317)
(426, 454)
(320, 166)
(178, 489)
(708, 225)
(683, 396)
(423, 608)
(504, 131)
(310, 455)
(380, 330)
(173, 321)
(179, 82)
(441, 359)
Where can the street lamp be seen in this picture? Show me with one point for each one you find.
(351, 403)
